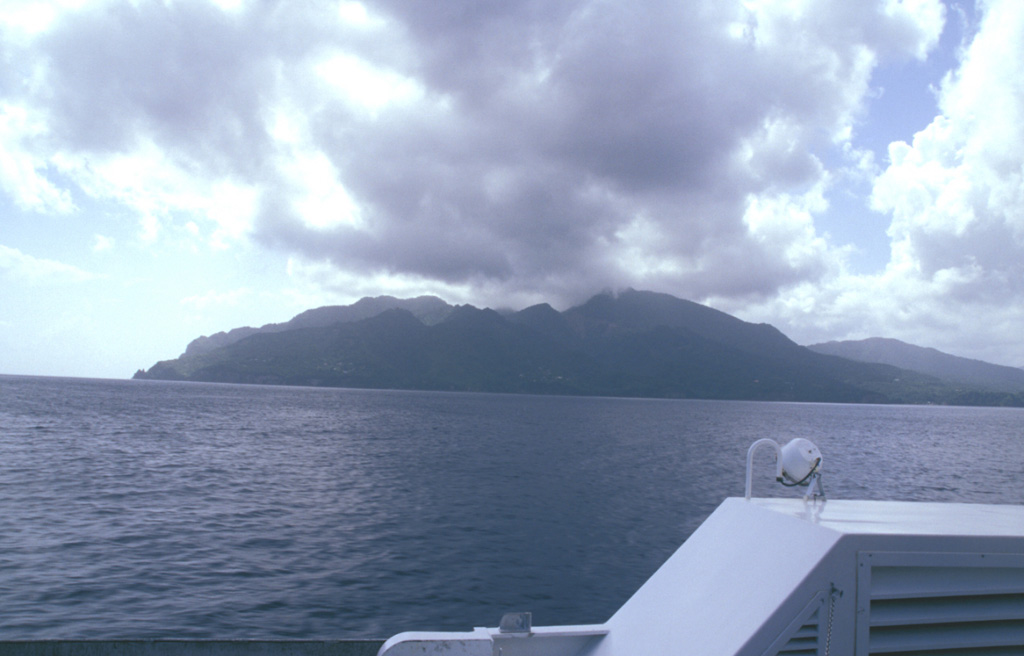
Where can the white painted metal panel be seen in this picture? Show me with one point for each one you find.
(926, 602)
(788, 577)
(743, 572)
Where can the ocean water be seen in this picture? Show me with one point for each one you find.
(133, 509)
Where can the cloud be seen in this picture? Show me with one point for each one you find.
(22, 171)
(525, 147)
(956, 194)
(955, 198)
(598, 144)
(214, 298)
(22, 267)
(102, 243)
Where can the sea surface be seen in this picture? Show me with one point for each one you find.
(132, 509)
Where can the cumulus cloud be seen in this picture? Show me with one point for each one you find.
(955, 196)
(523, 147)
(956, 193)
(21, 267)
(23, 172)
(571, 147)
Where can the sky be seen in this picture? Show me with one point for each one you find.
(175, 168)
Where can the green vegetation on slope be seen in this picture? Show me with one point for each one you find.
(635, 344)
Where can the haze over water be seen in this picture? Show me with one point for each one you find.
(162, 510)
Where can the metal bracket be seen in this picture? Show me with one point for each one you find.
(516, 623)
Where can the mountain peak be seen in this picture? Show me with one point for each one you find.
(643, 310)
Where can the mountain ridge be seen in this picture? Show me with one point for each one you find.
(944, 366)
(633, 343)
(429, 309)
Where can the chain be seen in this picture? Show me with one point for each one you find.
(834, 594)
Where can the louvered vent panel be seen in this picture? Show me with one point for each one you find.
(805, 641)
(802, 636)
(942, 604)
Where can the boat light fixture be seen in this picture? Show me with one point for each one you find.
(797, 464)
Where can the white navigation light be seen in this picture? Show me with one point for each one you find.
(800, 459)
(796, 464)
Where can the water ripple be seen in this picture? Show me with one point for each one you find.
(155, 510)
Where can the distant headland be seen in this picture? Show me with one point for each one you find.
(634, 344)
